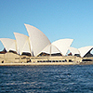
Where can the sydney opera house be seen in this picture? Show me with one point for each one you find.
(36, 47)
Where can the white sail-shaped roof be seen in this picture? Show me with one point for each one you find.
(63, 45)
(51, 49)
(74, 51)
(9, 44)
(46, 49)
(84, 50)
(38, 40)
(54, 49)
(23, 44)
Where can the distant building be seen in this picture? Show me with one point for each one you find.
(37, 44)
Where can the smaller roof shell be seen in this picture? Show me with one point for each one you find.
(63, 45)
(23, 44)
(74, 51)
(51, 49)
(9, 44)
(84, 50)
(59, 46)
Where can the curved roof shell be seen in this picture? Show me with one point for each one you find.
(63, 45)
(23, 44)
(84, 50)
(51, 49)
(74, 51)
(9, 44)
(59, 46)
(38, 40)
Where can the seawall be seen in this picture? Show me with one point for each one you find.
(32, 64)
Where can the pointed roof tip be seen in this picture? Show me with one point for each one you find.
(30, 26)
(27, 24)
(14, 32)
(24, 24)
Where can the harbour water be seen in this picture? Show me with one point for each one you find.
(46, 79)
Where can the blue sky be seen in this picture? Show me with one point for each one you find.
(57, 19)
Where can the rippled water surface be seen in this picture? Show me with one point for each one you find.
(46, 79)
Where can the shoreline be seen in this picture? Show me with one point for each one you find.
(46, 63)
(87, 63)
(35, 64)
